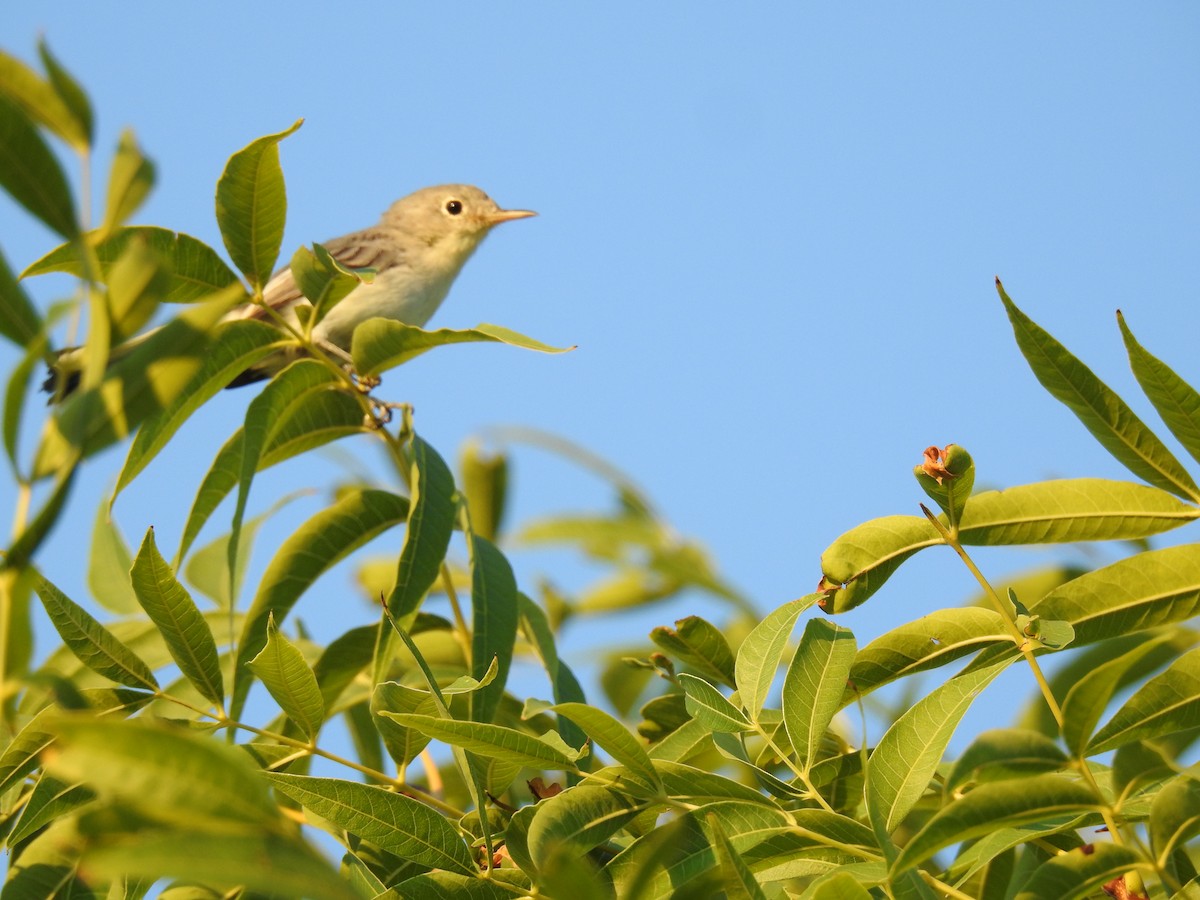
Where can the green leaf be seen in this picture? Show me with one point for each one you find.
(610, 735)
(536, 628)
(1174, 815)
(403, 744)
(708, 705)
(27, 542)
(30, 172)
(49, 799)
(494, 621)
(108, 566)
(430, 524)
(70, 92)
(171, 609)
(1152, 588)
(129, 182)
(1001, 804)
(859, 562)
(195, 270)
(699, 644)
(282, 669)
(137, 282)
(1078, 874)
(1003, 753)
(327, 537)
(91, 642)
(842, 886)
(493, 741)
(252, 207)
(500, 885)
(758, 656)
(815, 684)
(58, 103)
(577, 820)
(1091, 694)
(485, 484)
(236, 346)
(324, 280)
(19, 319)
(281, 397)
(931, 641)
(140, 384)
(380, 344)
(1068, 510)
(1165, 704)
(735, 873)
(904, 760)
(1176, 401)
(394, 822)
(164, 772)
(1103, 413)
(263, 864)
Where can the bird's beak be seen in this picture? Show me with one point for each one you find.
(507, 215)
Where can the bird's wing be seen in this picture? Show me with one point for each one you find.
(370, 248)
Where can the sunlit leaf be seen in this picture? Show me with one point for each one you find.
(758, 657)
(129, 182)
(195, 270)
(31, 173)
(711, 707)
(1165, 704)
(252, 206)
(381, 344)
(56, 102)
(282, 669)
(814, 685)
(170, 607)
(1078, 874)
(1103, 413)
(700, 645)
(494, 620)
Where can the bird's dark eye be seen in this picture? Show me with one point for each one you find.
(454, 207)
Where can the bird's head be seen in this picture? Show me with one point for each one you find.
(451, 217)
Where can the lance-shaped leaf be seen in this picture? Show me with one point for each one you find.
(1080, 873)
(252, 207)
(381, 344)
(758, 656)
(171, 609)
(904, 760)
(494, 741)
(925, 643)
(609, 734)
(108, 566)
(1004, 753)
(1176, 401)
(738, 881)
(1092, 692)
(281, 667)
(144, 381)
(324, 280)
(129, 182)
(430, 524)
(814, 685)
(1174, 815)
(94, 646)
(403, 744)
(22, 549)
(19, 320)
(137, 282)
(195, 270)
(709, 706)
(536, 628)
(57, 102)
(394, 822)
(576, 821)
(998, 805)
(165, 772)
(262, 863)
(494, 622)
(327, 537)
(236, 347)
(1066, 510)
(49, 799)
(30, 172)
(699, 644)
(1103, 413)
(485, 484)
(1152, 588)
(281, 397)
(1166, 704)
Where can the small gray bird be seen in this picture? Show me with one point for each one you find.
(417, 249)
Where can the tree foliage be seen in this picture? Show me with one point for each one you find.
(131, 757)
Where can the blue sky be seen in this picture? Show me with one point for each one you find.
(771, 232)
